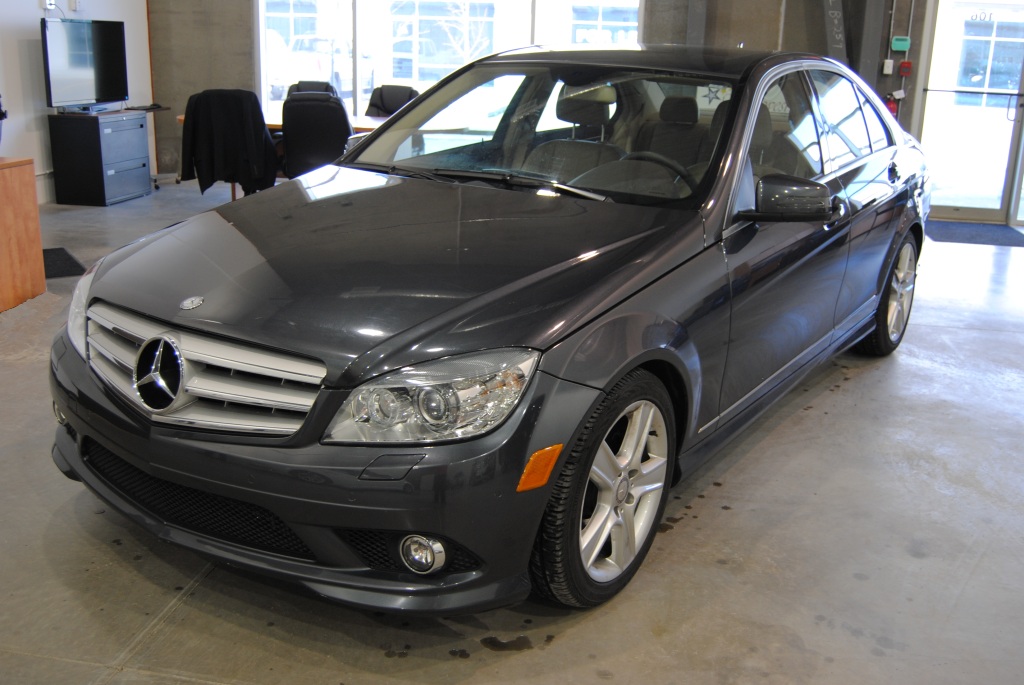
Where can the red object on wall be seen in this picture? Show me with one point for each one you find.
(905, 68)
(893, 105)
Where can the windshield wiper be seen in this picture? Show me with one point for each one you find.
(513, 179)
(393, 170)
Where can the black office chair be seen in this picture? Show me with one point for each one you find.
(386, 100)
(226, 139)
(315, 129)
(301, 87)
(311, 87)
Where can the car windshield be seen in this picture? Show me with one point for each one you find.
(597, 132)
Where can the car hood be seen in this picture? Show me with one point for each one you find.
(369, 272)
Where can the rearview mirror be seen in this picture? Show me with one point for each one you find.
(354, 141)
(790, 198)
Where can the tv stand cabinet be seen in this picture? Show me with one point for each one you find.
(100, 159)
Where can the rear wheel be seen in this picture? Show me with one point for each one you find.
(894, 307)
(605, 507)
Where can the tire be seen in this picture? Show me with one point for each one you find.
(609, 497)
(894, 307)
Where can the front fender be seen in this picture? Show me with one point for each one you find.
(678, 328)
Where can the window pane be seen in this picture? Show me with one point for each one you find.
(1010, 29)
(974, 57)
(401, 68)
(785, 138)
(877, 130)
(978, 28)
(585, 13)
(602, 22)
(481, 9)
(626, 15)
(845, 129)
(1006, 62)
(522, 126)
(483, 108)
(416, 43)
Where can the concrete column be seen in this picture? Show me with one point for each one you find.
(196, 45)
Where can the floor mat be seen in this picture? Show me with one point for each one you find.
(58, 263)
(977, 234)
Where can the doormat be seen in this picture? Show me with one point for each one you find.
(58, 263)
(977, 234)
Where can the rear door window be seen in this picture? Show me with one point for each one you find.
(846, 133)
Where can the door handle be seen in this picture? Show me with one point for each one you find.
(894, 173)
(838, 214)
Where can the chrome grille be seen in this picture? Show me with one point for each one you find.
(227, 386)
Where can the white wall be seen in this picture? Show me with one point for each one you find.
(22, 86)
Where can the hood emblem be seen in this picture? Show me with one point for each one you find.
(158, 374)
(191, 303)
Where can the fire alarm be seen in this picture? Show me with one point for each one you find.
(905, 68)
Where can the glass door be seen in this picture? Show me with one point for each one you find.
(975, 111)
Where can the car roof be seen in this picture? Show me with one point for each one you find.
(730, 63)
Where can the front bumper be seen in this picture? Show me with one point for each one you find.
(330, 517)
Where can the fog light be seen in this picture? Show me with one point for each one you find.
(422, 555)
(61, 419)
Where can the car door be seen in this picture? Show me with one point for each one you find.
(863, 156)
(785, 276)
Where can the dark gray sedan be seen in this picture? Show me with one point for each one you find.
(469, 360)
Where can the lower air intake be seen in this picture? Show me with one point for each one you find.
(215, 516)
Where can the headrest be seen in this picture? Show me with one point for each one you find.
(394, 97)
(302, 96)
(680, 109)
(311, 87)
(585, 105)
(718, 119)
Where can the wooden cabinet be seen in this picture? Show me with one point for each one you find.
(21, 249)
(100, 159)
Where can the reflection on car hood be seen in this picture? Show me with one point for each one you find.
(341, 262)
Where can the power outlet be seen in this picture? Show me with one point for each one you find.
(49, 4)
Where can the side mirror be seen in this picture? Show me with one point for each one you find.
(790, 198)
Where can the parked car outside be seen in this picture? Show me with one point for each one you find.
(278, 64)
(320, 58)
(470, 360)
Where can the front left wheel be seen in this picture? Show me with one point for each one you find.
(609, 497)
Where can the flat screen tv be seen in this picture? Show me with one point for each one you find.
(85, 63)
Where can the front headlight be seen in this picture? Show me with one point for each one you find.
(451, 398)
(76, 313)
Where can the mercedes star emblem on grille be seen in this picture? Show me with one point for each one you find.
(191, 302)
(158, 373)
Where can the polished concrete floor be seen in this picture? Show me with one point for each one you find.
(867, 529)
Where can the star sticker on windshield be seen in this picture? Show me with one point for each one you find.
(713, 93)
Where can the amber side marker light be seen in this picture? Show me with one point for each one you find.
(539, 468)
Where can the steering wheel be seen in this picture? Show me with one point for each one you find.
(667, 162)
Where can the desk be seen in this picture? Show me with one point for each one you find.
(22, 276)
(360, 123)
